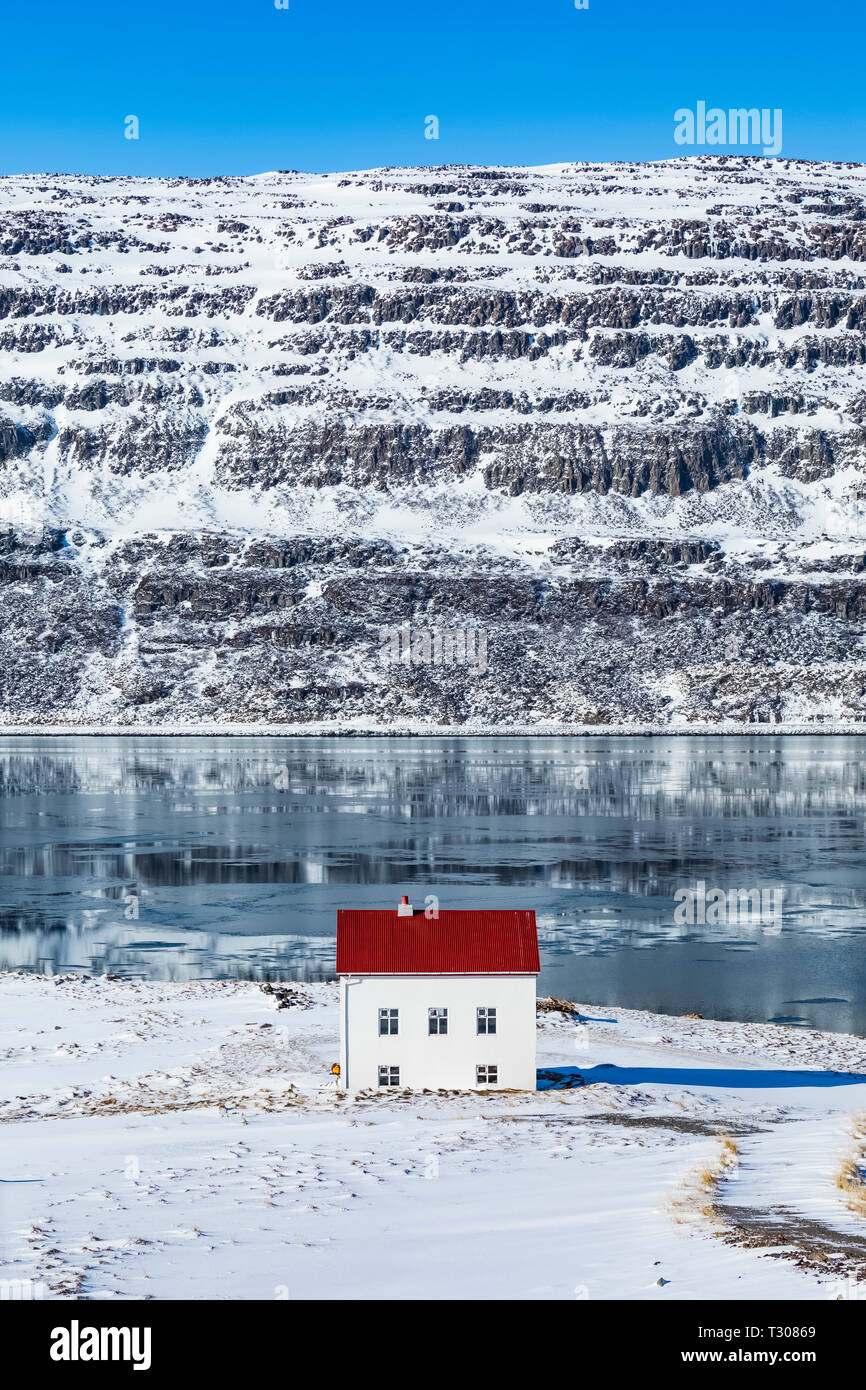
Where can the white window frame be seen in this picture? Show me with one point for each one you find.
(391, 1018)
(389, 1075)
(487, 1079)
(439, 1016)
(486, 1015)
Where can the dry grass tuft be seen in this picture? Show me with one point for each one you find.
(858, 1127)
(700, 1188)
(851, 1178)
(730, 1153)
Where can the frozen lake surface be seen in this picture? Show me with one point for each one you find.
(227, 858)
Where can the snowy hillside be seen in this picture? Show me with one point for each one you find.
(614, 415)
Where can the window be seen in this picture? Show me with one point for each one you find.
(390, 1076)
(437, 1021)
(486, 1076)
(388, 1020)
(485, 1020)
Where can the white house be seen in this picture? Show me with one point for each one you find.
(443, 1001)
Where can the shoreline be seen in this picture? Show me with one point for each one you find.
(414, 729)
(573, 1011)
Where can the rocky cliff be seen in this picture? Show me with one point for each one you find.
(610, 419)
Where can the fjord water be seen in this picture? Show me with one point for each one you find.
(228, 858)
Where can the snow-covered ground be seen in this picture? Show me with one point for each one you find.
(182, 1140)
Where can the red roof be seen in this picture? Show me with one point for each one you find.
(454, 943)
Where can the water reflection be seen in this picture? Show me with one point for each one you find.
(188, 857)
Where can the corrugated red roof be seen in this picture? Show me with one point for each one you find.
(454, 943)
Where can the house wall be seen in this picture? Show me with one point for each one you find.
(449, 1060)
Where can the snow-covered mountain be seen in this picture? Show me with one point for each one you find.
(612, 415)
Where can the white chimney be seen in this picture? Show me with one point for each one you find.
(404, 907)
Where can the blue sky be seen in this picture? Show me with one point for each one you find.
(239, 86)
